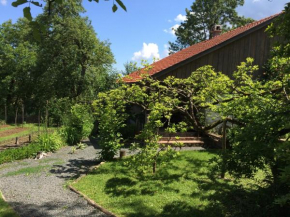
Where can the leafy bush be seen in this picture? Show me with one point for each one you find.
(50, 142)
(45, 142)
(109, 110)
(78, 124)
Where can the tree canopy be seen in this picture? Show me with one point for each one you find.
(69, 62)
(200, 19)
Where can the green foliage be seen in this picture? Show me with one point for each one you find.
(78, 124)
(129, 67)
(50, 4)
(72, 70)
(45, 142)
(202, 16)
(109, 110)
(183, 187)
(50, 142)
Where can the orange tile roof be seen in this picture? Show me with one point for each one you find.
(193, 50)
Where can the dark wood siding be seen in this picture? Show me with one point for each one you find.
(225, 59)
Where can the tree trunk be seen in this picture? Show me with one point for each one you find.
(224, 147)
(16, 116)
(5, 114)
(154, 167)
(22, 115)
(46, 116)
(38, 121)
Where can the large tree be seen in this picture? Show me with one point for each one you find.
(73, 62)
(202, 16)
(69, 61)
(18, 60)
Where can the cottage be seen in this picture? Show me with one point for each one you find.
(224, 52)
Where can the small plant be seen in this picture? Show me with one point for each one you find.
(81, 146)
(73, 150)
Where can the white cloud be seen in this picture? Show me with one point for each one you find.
(180, 18)
(148, 51)
(3, 2)
(169, 21)
(256, 0)
(172, 29)
(166, 50)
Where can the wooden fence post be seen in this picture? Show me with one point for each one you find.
(16, 141)
(29, 138)
(122, 153)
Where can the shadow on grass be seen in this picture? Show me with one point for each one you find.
(218, 198)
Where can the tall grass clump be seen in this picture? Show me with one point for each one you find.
(45, 142)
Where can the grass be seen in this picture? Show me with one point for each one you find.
(45, 142)
(31, 128)
(28, 170)
(6, 128)
(5, 209)
(184, 187)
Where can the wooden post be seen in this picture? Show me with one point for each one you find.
(122, 153)
(16, 141)
(224, 147)
(29, 138)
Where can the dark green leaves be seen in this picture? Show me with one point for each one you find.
(27, 14)
(114, 8)
(18, 2)
(121, 5)
(36, 4)
(59, 1)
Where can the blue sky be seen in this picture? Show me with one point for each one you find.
(144, 30)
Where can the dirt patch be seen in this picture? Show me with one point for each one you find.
(12, 131)
(4, 126)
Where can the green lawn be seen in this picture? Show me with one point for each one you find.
(185, 187)
(30, 128)
(5, 209)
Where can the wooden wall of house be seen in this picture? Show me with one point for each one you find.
(226, 59)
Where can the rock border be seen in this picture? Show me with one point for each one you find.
(90, 201)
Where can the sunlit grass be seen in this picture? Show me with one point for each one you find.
(28, 170)
(184, 187)
(29, 128)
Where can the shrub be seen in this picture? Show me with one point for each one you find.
(45, 142)
(78, 124)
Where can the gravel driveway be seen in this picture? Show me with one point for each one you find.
(38, 187)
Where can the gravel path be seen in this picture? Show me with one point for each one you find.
(38, 187)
